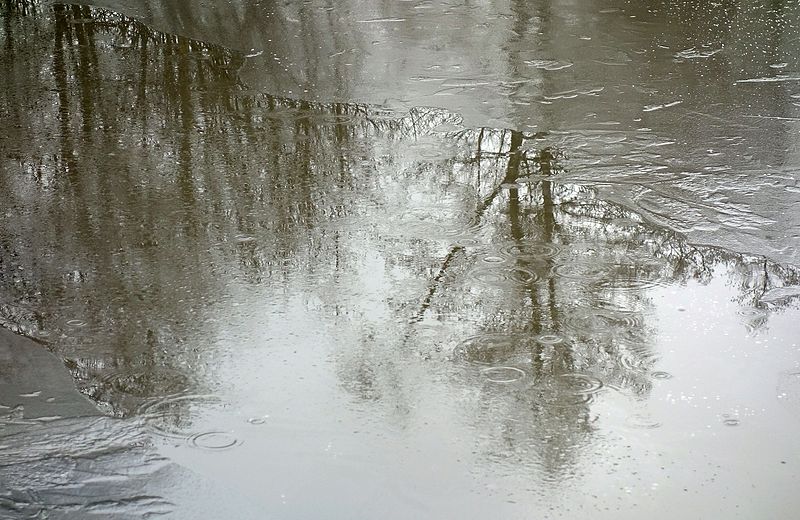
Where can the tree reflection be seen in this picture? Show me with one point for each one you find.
(165, 184)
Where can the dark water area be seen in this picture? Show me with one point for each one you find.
(402, 260)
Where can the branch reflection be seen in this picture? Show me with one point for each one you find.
(166, 192)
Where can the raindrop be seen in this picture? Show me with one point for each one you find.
(631, 362)
(486, 276)
(582, 321)
(588, 273)
(503, 374)
(582, 383)
(491, 349)
(213, 441)
(561, 400)
(490, 259)
(628, 283)
(642, 421)
(76, 323)
(660, 374)
(620, 318)
(530, 251)
(170, 417)
(431, 224)
(753, 314)
(522, 276)
(550, 339)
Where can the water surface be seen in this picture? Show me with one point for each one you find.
(414, 260)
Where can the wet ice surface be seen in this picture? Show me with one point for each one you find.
(422, 260)
(61, 459)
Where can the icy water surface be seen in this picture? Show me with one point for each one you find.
(413, 260)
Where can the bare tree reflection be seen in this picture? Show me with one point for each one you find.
(165, 182)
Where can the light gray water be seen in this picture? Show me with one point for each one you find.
(405, 260)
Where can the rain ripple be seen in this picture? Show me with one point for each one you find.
(503, 374)
(550, 339)
(530, 251)
(629, 283)
(582, 384)
(430, 224)
(493, 349)
(588, 273)
(594, 322)
(178, 418)
(620, 318)
(213, 441)
(145, 382)
(642, 421)
(485, 275)
(567, 390)
(522, 276)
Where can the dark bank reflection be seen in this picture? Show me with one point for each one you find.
(162, 222)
